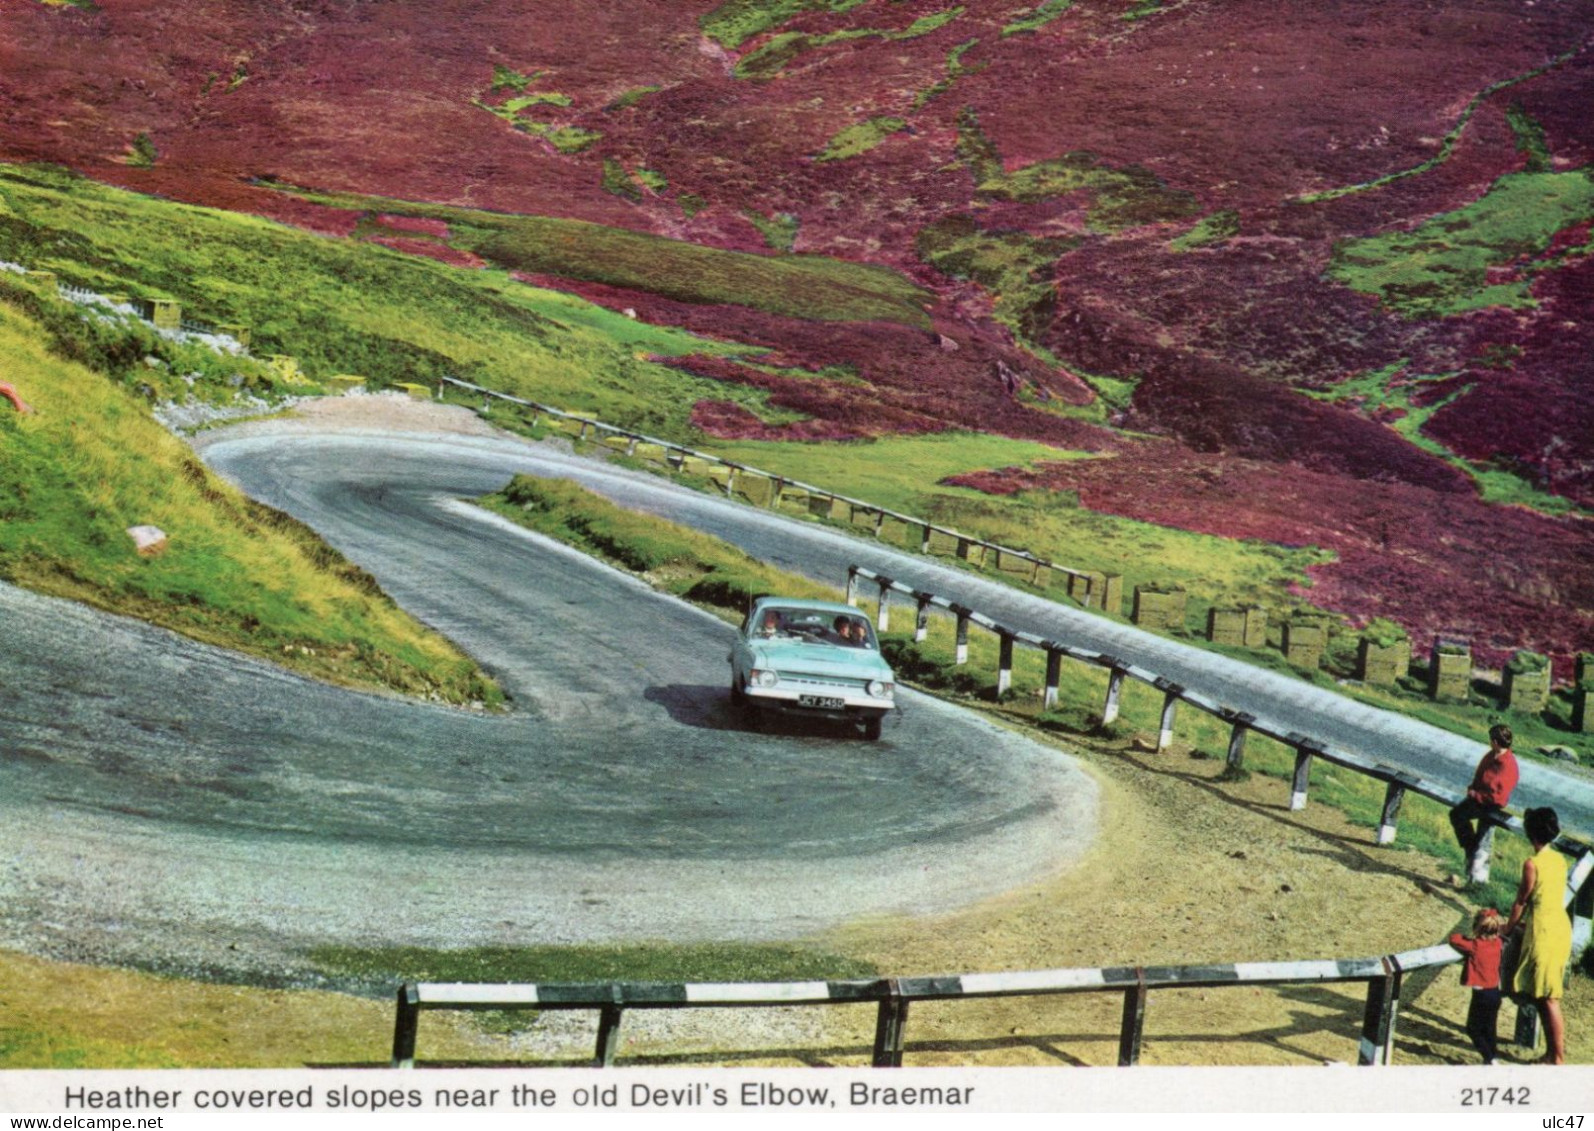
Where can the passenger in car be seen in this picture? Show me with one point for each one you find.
(852, 632)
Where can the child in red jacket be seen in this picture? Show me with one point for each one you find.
(1482, 973)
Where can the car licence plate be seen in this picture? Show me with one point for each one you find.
(821, 701)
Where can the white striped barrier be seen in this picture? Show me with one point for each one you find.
(893, 996)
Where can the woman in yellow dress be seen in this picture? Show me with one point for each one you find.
(1547, 942)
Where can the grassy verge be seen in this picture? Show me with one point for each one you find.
(90, 463)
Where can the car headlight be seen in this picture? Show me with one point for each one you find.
(765, 678)
(880, 689)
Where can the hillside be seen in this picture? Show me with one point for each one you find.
(1316, 276)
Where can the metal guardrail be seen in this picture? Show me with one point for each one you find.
(1308, 749)
(892, 997)
(965, 543)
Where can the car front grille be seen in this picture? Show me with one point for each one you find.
(803, 681)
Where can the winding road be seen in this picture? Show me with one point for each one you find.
(171, 804)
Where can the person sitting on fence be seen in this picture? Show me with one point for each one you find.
(1482, 973)
(1547, 932)
(1487, 796)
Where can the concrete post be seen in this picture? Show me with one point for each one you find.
(1479, 873)
(1236, 759)
(1170, 705)
(1393, 797)
(883, 622)
(1378, 1020)
(1581, 893)
(852, 586)
(608, 1036)
(962, 655)
(1132, 1031)
(924, 542)
(1054, 673)
(730, 483)
(630, 448)
(1004, 665)
(1115, 687)
(890, 1026)
(921, 619)
(1303, 773)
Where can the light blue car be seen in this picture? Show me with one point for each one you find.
(813, 658)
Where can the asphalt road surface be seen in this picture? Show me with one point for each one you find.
(176, 805)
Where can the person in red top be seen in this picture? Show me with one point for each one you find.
(1488, 794)
(1482, 973)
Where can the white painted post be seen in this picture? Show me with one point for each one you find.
(1054, 673)
(921, 620)
(962, 656)
(1303, 773)
(1115, 687)
(1479, 872)
(1393, 796)
(1580, 897)
(1004, 665)
(1170, 704)
(852, 586)
(885, 605)
(730, 483)
(924, 542)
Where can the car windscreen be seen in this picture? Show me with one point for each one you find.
(814, 625)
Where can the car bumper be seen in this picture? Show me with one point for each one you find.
(850, 706)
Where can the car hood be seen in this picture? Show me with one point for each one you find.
(825, 659)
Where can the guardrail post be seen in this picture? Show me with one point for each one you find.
(924, 541)
(1242, 722)
(884, 619)
(1004, 664)
(1054, 676)
(1527, 1028)
(1582, 902)
(1303, 774)
(1479, 873)
(852, 586)
(582, 435)
(1393, 796)
(405, 1024)
(921, 619)
(608, 1036)
(1134, 1023)
(630, 447)
(730, 483)
(962, 654)
(1115, 689)
(1378, 1019)
(890, 1026)
(1170, 707)
(879, 522)
(776, 486)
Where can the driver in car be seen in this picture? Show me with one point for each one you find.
(771, 623)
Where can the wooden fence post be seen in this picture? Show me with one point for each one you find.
(1134, 1023)
(405, 1024)
(1004, 665)
(1054, 676)
(890, 1026)
(1393, 796)
(1115, 687)
(608, 1036)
